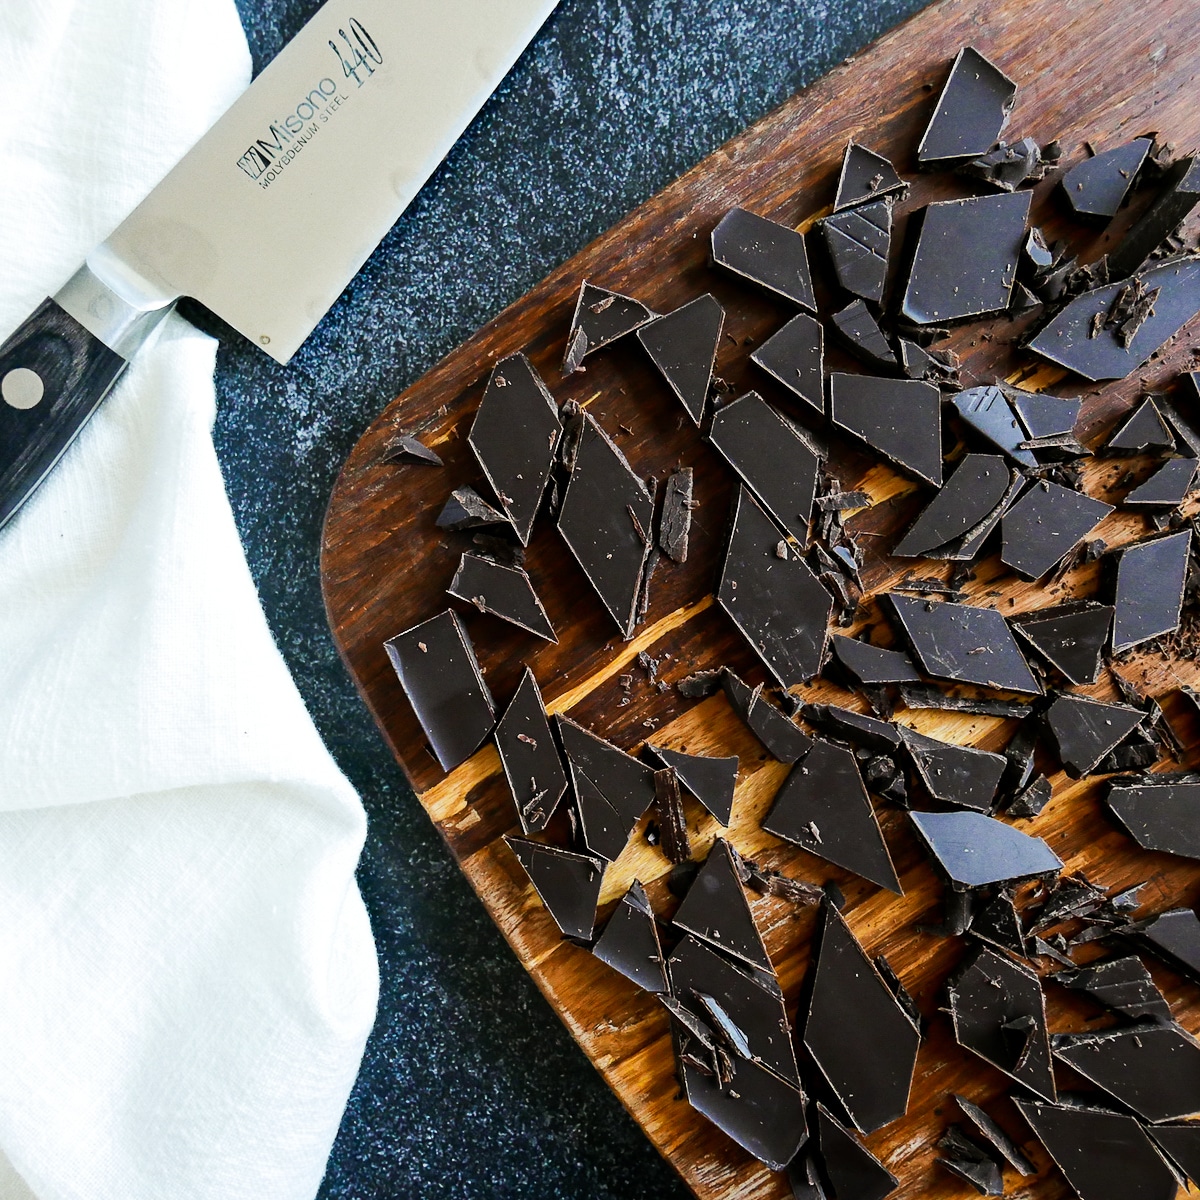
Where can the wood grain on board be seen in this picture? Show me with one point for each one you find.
(1087, 69)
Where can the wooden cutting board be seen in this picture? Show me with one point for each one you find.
(1087, 69)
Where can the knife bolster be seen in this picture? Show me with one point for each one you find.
(108, 313)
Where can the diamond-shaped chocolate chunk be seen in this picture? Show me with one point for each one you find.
(529, 756)
(1045, 525)
(964, 776)
(1149, 590)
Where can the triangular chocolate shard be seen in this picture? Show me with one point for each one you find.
(973, 850)
(710, 780)
(1159, 813)
(860, 334)
(529, 756)
(785, 740)
(683, 346)
(981, 1173)
(1182, 1144)
(858, 240)
(1007, 1147)
(998, 924)
(1167, 488)
(467, 509)
(779, 605)
(999, 1012)
(1178, 197)
(606, 520)
(1142, 432)
(804, 1178)
(1152, 1069)
(715, 909)
(764, 252)
(1045, 525)
(865, 176)
(967, 499)
(794, 356)
(1149, 592)
(409, 449)
(853, 1171)
(630, 942)
(859, 1036)
(601, 317)
(915, 361)
(1182, 409)
(987, 410)
(613, 789)
(1175, 937)
(775, 462)
(1043, 415)
(1104, 1155)
(859, 729)
(1029, 800)
(515, 438)
(873, 665)
(963, 776)
(963, 643)
(675, 521)
(1121, 984)
(1085, 730)
(824, 808)
(900, 419)
(1097, 187)
(970, 112)
(505, 592)
(569, 884)
(1070, 637)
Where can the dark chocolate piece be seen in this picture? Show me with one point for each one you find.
(865, 176)
(804, 1178)
(1149, 592)
(529, 756)
(672, 823)
(776, 463)
(1152, 1069)
(853, 1171)
(1141, 431)
(1072, 897)
(1175, 937)
(716, 910)
(898, 418)
(1182, 1144)
(1045, 525)
(569, 884)
(966, 500)
(1183, 411)
(1081, 339)
(1167, 488)
(683, 346)
(963, 643)
(515, 439)
(700, 683)
(605, 520)
(1159, 813)
(873, 665)
(1008, 166)
(630, 942)
(858, 240)
(601, 317)
(999, 1012)
(766, 253)
(438, 671)
(1180, 195)
(1031, 799)
(1096, 188)
(860, 1038)
(860, 334)
(1000, 1141)
(1044, 415)
(676, 521)
(467, 509)
(1085, 730)
(779, 605)
(785, 740)
(407, 448)
(965, 260)
(611, 788)
(1070, 637)
(505, 592)
(970, 112)
(963, 776)
(857, 728)
(924, 695)
(973, 850)
(987, 410)
(824, 808)
(710, 780)
(794, 356)
(998, 924)
(1104, 1155)
(916, 362)
(980, 1171)
(1122, 984)
(750, 1003)
(901, 994)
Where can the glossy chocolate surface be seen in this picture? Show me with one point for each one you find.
(963, 776)
(529, 756)
(858, 240)
(683, 346)
(1085, 730)
(1045, 525)
(709, 780)
(630, 942)
(1159, 813)
(973, 850)
(1071, 637)
(785, 740)
(601, 317)
(794, 355)
(1149, 589)
(763, 252)
(966, 500)
(1097, 187)
(970, 112)
(853, 1171)
(505, 592)
(900, 419)
(569, 884)
(865, 176)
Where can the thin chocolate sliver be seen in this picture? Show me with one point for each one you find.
(1000, 1140)
(407, 448)
(505, 592)
(1150, 580)
(710, 780)
(676, 521)
(785, 740)
(865, 176)
(925, 695)
(683, 346)
(630, 942)
(1096, 188)
(672, 823)
(529, 756)
(901, 419)
(569, 884)
(973, 850)
(766, 253)
(970, 112)
(794, 356)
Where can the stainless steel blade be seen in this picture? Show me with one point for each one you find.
(277, 207)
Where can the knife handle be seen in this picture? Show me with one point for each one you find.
(53, 375)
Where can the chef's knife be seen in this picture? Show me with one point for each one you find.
(271, 213)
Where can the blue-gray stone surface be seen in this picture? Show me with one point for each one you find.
(470, 1086)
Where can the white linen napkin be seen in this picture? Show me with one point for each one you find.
(188, 971)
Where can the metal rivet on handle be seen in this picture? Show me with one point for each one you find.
(22, 388)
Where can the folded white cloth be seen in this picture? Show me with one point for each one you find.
(188, 971)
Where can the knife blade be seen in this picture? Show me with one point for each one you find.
(271, 214)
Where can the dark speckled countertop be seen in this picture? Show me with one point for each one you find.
(470, 1086)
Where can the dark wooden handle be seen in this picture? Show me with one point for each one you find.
(53, 375)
